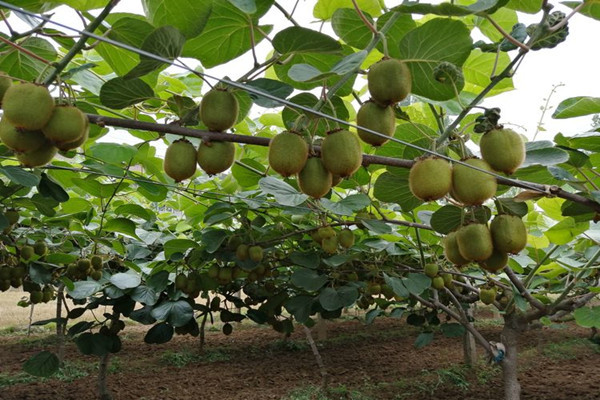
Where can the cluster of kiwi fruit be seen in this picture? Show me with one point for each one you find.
(331, 240)
(487, 246)
(219, 111)
(34, 127)
(439, 279)
(389, 81)
(85, 267)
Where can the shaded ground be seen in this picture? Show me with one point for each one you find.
(376, 362)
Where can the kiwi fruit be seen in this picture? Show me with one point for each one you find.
(215, 157)
(438, 282)
(28, 106)
(448, 280)
(5, 83)
(78, 142)
(225, 275)
(4, 285)
(219, 110)
(36, 297)
(496, 262)
(241, 252)
(227, 329)
(83, 264)
(376, 118)
(431, 270)
(40, 248)
(430, 178)
(389, 81)
(487, 296)
(180, 281)
(20, 140)
(96, 275)
(255, 253)
(5, 272)
(27, 252)
(330, 244)
(472, 187)
(288, 152)
(373, 288)
(503, 150)
(48, 294)
(346, 238)
(213, 271)
(12, 216)
(180, 160)
(96, 262)
(341, 153)
(39, 157)
(508, 233)
(314, 179)
(66, 125)
(451, 250)
(474, 242)
(326, 232)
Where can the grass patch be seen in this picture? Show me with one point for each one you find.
(569, 349)
(69, 372)
(317, 393)
(182, 358)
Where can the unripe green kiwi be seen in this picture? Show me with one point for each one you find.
(12, 216)
(27, 252)
(20, 140)
(28, 106)
(508, 233)
(67, 124)
(36, 297)
(376, 118)
(241, 252)
(219, 110)
(255, 253)
(288, 152)
(326, 232)
(314, 179)
(39, 157)
(96, 274)
(330, 244)
(341, 153)
(430, 178)
(503, 150)
(389, 81)
(78, 142)
(215, 157)
(487, 296)
(5, 83)
(180, 160)
(346, 238)
(472, 187)
(431, 269)
(474, 242)
(496, 262)
(96, 261)
(438, 282)
(451, 250)
(40, 248)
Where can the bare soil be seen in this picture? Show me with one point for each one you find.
(378, 361)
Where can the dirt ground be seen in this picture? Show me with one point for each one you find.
(372, 362)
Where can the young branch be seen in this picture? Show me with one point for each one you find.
(287, 15)
(522, 290)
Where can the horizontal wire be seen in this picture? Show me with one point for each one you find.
(265, 94)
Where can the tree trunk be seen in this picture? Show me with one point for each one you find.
(103, 392)
(469, 346)
(202, 333)
(321, 327)
(510, 373)
(60, 326)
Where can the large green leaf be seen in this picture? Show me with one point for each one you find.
(446, 219)
(413, 133)
(393, 188)
(20, 65)
(299, 307)
(450, 9)
(423, 48)
(272, 87)
(527, 6)
(588, 317)
(159, 333)
(590, 9)
(83, 289)
(120, 93)
(226, 36)
(178, 246)
(284, 193)
(189, 16)
(121, 225)
(166, 42)
(176, 313)
(247, 6)
(577, 106)
(296, 39)
(126, 280)
(333, 299)
(113, 153)
(479, 68)
(42, 364)
(19, 176)
(543, 153)
(566, 230)
(324, 9)
(308, 279)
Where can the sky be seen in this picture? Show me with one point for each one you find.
(570, 69)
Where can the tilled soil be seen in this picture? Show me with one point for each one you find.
(378, 361)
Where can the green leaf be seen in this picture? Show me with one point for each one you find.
(284, 193)
(396, 285)
(49, 188)
(213, 239)
(247, 177)
(450, 9)
(119, 93)
(44, 205)
(588, 317)
(333, 299)
(346, 23)
(590, 9)
(348, 205)
(566, 230)
(113, 153)
(178, 246)
(290, 116)
(545, 156)
(513, 207)
(121, 225)
(308, 279)
(84, 289)
(135, 210)
(189, 16)
(158, 281)
(296, 39)
(527, 6)
(393, 188)
(166, 42)
(145, 295)
(225, 37)
(40, 274)
(577, 106)
(19, 176)
(152, 191)
(413, 133)
(324, 9)
(272, 87)
(130, 30)
(159, 334)
(307, 260)
(423, 339)
(480, 67)
(126, 280)
(446, 219)
(176, 313)
(42, 364)
(437, 40)
(299, 307)
(452, 330)
(16, 63)
(416, 283)
(247, 6)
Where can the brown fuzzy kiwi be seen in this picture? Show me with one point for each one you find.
(474, 242)
(314, 179)
(503, 150)
(20, 140)
(451, 250)
(180, 160)
(496, 262)
(288, 152)
(376, 118)
(341, 153)
(5, 83)
(389, 81)
(472, 187)
(39, 157)
(219, 110)
(430, 178)
(330, 244)
(28, 106)
(67, 124)
(508, 233)
(215, 157)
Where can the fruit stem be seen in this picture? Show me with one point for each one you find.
(59, 67)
